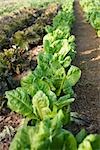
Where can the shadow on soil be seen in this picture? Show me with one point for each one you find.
(87, 102)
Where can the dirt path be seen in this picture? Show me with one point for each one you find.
(88, 59)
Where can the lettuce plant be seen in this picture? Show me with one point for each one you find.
(46, 93)
(44, 136)
(92, 11)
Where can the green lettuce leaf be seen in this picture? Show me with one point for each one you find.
(81, 135)
(21, 140)
(41, 105)
(32, 85)
(19, 101)
(48, 133)
(64, 101)
(91, 142)
(52, 73)
(73, 75)
(27, 83)
(65, 139)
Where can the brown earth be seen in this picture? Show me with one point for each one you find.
(88, 60)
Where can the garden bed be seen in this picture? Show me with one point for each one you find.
(87, 90)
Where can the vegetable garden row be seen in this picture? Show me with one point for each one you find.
(46, 94)
(92, 13)
(20, 27)
(16, 59)
(18, 21)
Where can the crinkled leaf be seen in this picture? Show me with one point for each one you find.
(67, 62)
(73, 75)
(19, 101)
(57, 120)
(41, 105)
(64, 101)
(48, 133)
(64, 49)
(53, 73)
(27, 83)
(67, 89)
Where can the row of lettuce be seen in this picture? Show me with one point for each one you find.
(21, 40)
(46, 93)
(17, 21)
(92, 13)
(23, 27)
(17, 59)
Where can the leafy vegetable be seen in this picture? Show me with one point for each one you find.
(92, 11)
(73, 75)
(44, 136)
(19, 101)
(81, 135)
(46, 93)
(41, 105)
(21, 140)
(71, 79)
(91, 142)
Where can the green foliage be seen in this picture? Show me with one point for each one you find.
(11, 60)
(28, 36)
(92, 11)
(81, 135)
(16, 21)
(73, 76)
(41, 105)
(19, 101)
(34, 33)
(46, 94)
(44, 136)
(91, 142)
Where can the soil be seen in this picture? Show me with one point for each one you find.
(87, 102)
(7, 121)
